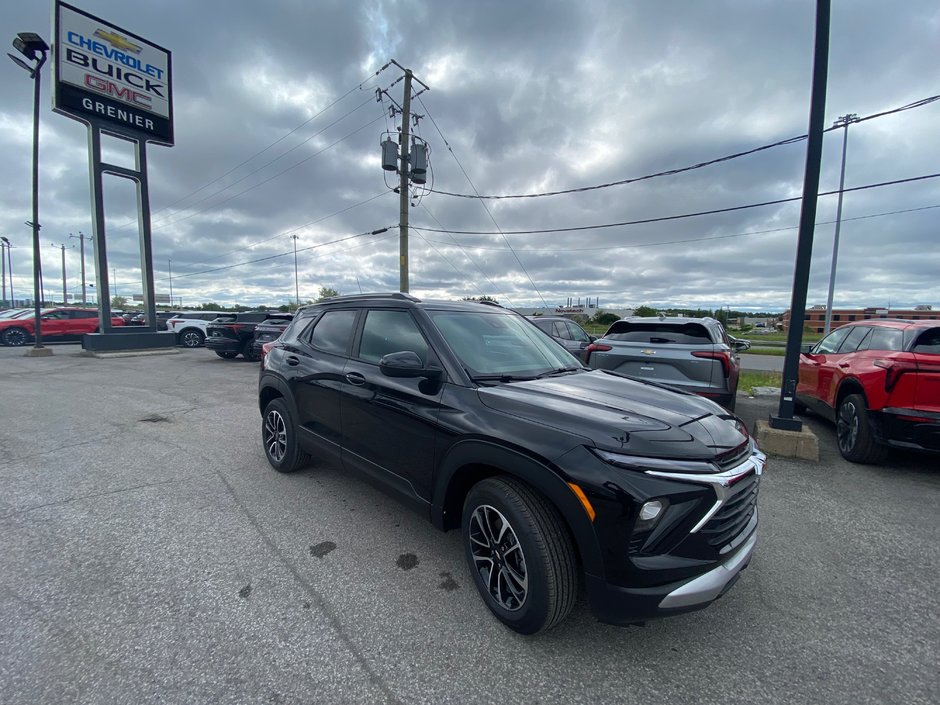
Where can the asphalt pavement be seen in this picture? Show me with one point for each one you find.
(150, 555)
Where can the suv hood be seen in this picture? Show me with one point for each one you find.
(621, 415)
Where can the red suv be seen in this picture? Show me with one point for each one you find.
(57, 323)
(879, 381)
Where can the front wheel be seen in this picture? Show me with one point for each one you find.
(855, 431)
(279, 436)
(225, 355)
(15, 337)
(520, 555)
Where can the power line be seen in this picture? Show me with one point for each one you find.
(698, 239)
(671, 172)
(270, 178)
(467, 176)
(282, 254)
(673, 217)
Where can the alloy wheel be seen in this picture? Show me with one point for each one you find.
(847, 426)
(498, 557)
(275, 435)
(15, 337)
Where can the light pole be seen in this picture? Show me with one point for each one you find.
(82, 239)
(296, 280)
(169, 264)
(844, 121)
(34, 48)
(4, 247)
(65, 297)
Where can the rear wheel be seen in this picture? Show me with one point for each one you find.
(520, 555)
(855, 431)
(15, 337)
(225, 355)
(279, 436)
(191, 338)
(248, 351)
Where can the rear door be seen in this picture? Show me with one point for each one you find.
(815, 367)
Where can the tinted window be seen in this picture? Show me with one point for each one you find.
(928, 342)
(559, 330)
(885, 339)
(684, 334)
(334, 331)
(386, 332)
(855, 340)
(547, 326)
(831, 342)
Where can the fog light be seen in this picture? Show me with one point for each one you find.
(651, 510)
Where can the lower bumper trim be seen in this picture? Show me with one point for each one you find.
(709, 586)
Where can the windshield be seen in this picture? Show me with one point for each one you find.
(501, 345)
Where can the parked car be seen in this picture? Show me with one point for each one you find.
(554, 474)
(15, 312)
(190, 327)
(57, 323)
(565, 331)
(268, 330)
(232, 334)
(692, 354)
(879, 382)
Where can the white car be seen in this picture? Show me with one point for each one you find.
(190, 328)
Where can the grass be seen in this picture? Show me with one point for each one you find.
(752, 378)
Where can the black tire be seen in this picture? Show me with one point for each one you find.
(16, 337)
(532, 580)
(799, 408)
(191, 338)
(248, 351)
(855, 432)
(279, 438)
(226, 355)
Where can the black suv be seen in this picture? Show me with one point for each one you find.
(269, 329)
(233, 333)
(553, 473)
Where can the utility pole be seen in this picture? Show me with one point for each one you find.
(296, 280)
(403, 195)
(169, 264)
(65, 295)
(4, 245)
(82, 239)
(114, 280)
(844, 121)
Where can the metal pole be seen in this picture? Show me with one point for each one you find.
(844, 121)
(10, 267)
(296, 280)
(404, 171)
(804, 250)
(65, 297)
(169, 264)
(3, 269)
(37, 263)
(81, 239)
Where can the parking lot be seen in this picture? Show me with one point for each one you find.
(150, 555)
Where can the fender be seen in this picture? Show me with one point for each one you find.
(269, 382)
(456, 474)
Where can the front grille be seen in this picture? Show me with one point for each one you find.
(734, 514)
(733, 457)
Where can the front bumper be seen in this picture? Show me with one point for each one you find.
(614, 604)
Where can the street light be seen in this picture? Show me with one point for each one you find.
(6, 262)
(34, 48)
(844, 121)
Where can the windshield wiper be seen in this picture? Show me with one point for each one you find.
(502, 378)
(559, 371)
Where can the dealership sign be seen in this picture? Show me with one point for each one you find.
(111, 78)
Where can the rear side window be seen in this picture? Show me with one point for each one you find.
(575, 332)
(928, 342)
(886, 339)
(387, 332)
(660, 333)
(334, 331)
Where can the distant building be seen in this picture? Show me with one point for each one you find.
(816, 316)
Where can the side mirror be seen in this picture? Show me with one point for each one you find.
(592, 338)
(806, 348)
(406, 364)
(742, 345)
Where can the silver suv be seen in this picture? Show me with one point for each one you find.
(691, 354)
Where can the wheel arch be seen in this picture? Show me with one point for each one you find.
(848, 386)
(469, 462)
(273, 388)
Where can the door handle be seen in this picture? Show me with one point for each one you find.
(843, 365)
(355, 378)
(293, 360)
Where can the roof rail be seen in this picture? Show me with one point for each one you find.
(378, 295)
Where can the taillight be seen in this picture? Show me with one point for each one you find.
(894, 368)
(597, 347)
(716, 355)
(265, 349)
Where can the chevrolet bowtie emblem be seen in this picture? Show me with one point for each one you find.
(648, 352)
(117, 41)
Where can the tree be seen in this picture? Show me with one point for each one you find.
(480, 298)
(605, 319)
(210, 307)
(645, 311)
(118, 302)
(326, 292)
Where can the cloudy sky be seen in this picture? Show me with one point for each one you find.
(278, 133)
